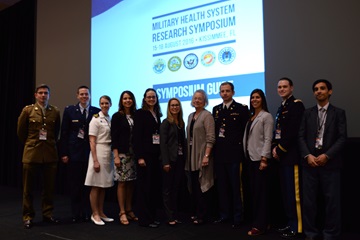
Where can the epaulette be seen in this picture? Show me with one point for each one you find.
(297, 100)
(29, 105)
(243, 104)
(96, 115)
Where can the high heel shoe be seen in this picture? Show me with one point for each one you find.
(131, 216)
(99, 223)
(107, 219)
(122, 220)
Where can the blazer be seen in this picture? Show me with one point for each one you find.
(169, 142)
(334, 138)
(77, 149)
(288, 119)
(258, 140)
(144, 128)
(30, 121)
(120, 133)
(203, 136)
(229, 149)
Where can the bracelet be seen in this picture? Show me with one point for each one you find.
(206, 155)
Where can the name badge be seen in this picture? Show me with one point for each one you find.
(156, 138)
(42, 134)
(222, 132)
(277, 134)
(81, 133)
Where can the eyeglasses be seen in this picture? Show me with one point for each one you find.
(150, 97)
(175, 105)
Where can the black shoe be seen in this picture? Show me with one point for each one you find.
(283, 229)
(28, 224)
(290, 235)
(51, 220)
(220, 220)
(86, 218)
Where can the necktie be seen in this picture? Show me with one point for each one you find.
(84, 115)
(225, 107)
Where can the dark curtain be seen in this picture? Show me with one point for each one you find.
(17, 83)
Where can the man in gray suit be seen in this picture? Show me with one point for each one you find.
(322, 138)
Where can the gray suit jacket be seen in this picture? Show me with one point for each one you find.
(258, 139)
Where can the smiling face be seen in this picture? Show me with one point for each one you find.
(198, 100)
(83, 95)
(322, 93)
(174, 107)
(127, 101)
(256, 101)
(105, 105)
(284, 89)
(150, 98)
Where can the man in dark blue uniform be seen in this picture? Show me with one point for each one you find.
(75, 149)
(230, 120)
(285, 149)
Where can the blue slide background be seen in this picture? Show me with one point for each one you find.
(176, 47)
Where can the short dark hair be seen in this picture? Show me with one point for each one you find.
(83, 86)
(228, 83)
(287, 79)
(42, 86)
(327, 83)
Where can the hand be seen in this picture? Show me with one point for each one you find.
(205, 161)
(274, 153)
(65, 159)
(321, 160)
(167, 168)
(263, 164)
(311, 160)
(96, 166)
(117, 161)
(141, 162)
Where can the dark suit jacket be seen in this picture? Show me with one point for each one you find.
(169, 142)
(288, 119)
(71, 145)
(144, 128)
(120, 133)
(335, 135)
(230, 148)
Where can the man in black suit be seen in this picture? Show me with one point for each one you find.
(230, 120)
(285, 150)
(75, 149)
(322, 137)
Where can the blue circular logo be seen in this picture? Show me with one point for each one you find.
(227, 55)
(159, 66)
(191, 61)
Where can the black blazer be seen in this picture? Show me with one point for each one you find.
(169, 142)
(288, 119)
(120, 133)
(71, 145)
(334, 138)
(230, 148)
(144, 128)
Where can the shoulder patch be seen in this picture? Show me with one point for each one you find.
(297, 100)
(96, 115)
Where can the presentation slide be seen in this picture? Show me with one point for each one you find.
(176, 47)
